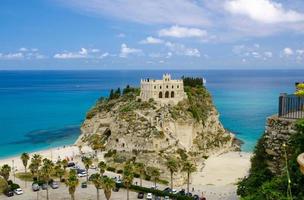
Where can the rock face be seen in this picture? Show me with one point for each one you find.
(152, 132)
(277, 132)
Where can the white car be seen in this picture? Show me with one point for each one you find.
(166, 198)
(82, 174)
(149, 196)
(174, 191)
(18, 191)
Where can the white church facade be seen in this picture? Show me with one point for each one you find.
(165, 91)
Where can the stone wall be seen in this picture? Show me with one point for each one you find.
(277, 132)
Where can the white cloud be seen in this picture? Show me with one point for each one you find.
(263, 11)
(251, 51)
(125, 51)
(180, 49)
(182, 32)
(268, 54)
(23, 49)
(121, 35)
(12, 56)
(151, 40)
(95, 50)
(287, 51)
(104, 55)
(183, 12)
(82, 53)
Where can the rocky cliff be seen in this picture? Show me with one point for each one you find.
(277, 132)
(150, 133)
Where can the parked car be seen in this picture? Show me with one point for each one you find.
(149, 196)
(18, 191)
(71, 164)
(84, 185)
(174, 191)
(189, 194)
(167, 189)
(140, 195)
(195, 197)
(154, 187)
(182, 192)
(166, 198)
(44, 186)
(54, 185)
(9, 193)
(82, 174)
(116, 189)
(157, 198)
(35, 187)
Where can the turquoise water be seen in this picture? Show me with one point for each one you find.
(40, 109)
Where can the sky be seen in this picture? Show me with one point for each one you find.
(146, 34)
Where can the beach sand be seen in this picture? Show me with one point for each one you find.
(53, 154)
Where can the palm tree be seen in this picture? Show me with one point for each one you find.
(72, 182)
(107, 185)
(5, 171)
(173, 165)
(35, 164)
(25, 158)
(140, 168)
(128, 176)
(59, 171)
(154, 173)
(102, 167)
(64, 163)
(97, 181)
(46, 172)
(188, 167)
(87, 161)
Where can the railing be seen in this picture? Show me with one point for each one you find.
(291, 106)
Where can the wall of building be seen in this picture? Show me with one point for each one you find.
(164, 90)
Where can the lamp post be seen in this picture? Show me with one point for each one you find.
(300, 160)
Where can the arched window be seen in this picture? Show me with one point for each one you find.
(160, 95)
(172, 94)
(167, 86)
(167, 94)
(177, 86)
(172, 86)
(155, 87)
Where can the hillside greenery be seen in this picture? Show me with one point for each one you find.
(198, 104)
(262, 184)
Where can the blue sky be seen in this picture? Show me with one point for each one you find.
(158, 34)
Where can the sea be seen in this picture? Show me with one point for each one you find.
(43, 109)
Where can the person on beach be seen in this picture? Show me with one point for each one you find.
(203, 197)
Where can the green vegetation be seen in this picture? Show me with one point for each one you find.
(300, 89)
(262, 184)
(3, 185)
(193, 82)
(25, 176)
